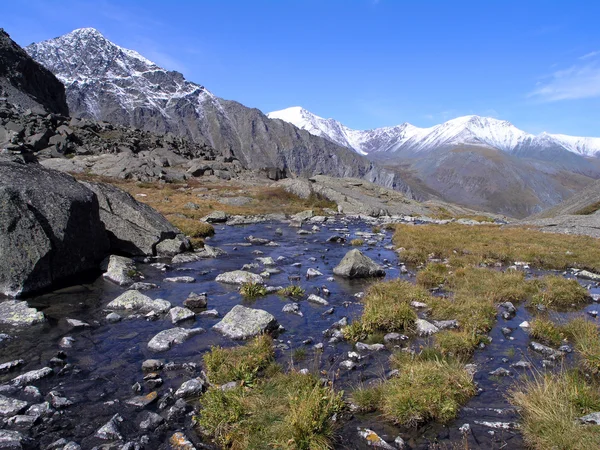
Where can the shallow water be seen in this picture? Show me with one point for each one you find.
(105, 360)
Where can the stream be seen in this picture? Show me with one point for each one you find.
(97, 372)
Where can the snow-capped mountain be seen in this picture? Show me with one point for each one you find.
(407, 139)
(107, 82)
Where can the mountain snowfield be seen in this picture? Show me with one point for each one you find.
(406, 138)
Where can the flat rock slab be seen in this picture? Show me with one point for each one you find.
(167, 338)
(136, 301)
(32, 376)
(357, 265)
(11, 439)
(239, 277)
(425, 328)
(17, 313)
(10, 406)
(244, 323)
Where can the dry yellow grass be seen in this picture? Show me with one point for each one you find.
(472, 245)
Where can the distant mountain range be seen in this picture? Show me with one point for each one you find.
(408, 139)
(107, 82)
(483, 163)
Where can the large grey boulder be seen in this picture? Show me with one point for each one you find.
(50, 228)
(133, 227)
(357, 265)
(244, 323)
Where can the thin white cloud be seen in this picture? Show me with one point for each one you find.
(590, 54)
(577, 82)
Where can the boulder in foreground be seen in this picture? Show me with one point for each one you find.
(357, 265)
(244, 323)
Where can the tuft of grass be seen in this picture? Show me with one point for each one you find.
(357, 242)
(299, 354)
(467, 245)
(287, 411)
(546, 331)
(192, 227)
(387, 309)
(426, 388)
(239, 363)
(457, 344)
(476, 293)
(253, 290)
(376, 229)
(433, 275)
(588, 210)
(550, 405)
(291, 291)
(367, 398)
(560, 293)
(586, 338)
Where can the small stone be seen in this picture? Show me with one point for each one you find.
(151, 421)
(110, 431)
(179, 441)
(425, 328)
(17, 313)
(196, 301)
(213, 313)
(239, 277)
(524, 324)
(292, 308)
(318, 300)
(521, 365)
(362, 347)
(399, 442)
(11, 365)
(119, 270)
(167, 338)
(136, 301)
(142, 401)
(311, 273)
(393, 338)
(180, 280)
(348, 365)
(372, 439)
(32, 376)
(191, 388)
(179, 314)
(77, 323)
(465, 429)
(113, 317)
(243, 323)
(593, 418)
(500, 372)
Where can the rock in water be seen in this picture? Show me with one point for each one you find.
(133, 227)
(136, 301)
(17, 313)
(239, 277)
(120, 270)
(167, 338)
(244, 323)
(357, 265)
(47, 222)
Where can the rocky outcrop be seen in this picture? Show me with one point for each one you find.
(357, 265)
(47, 223)
(133, 227)
(26, 82)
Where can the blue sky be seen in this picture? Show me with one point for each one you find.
(367, 63)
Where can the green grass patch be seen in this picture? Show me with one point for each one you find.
(586, 339)
(550, 406)
(291, 291)
(457, 344)
(546, 331)
(241, 363)
(434, 275)
(253, 290)
(387, 309)
(560, 293)
(192, 227)
(356, 242)
(590, 209)
(428, 387)
(287, 411)
(468, 245)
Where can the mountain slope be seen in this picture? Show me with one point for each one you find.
(117, 85)
(26, 83)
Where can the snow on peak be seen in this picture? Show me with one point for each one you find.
(472, 129)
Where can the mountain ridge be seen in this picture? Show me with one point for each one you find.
(470, 129)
